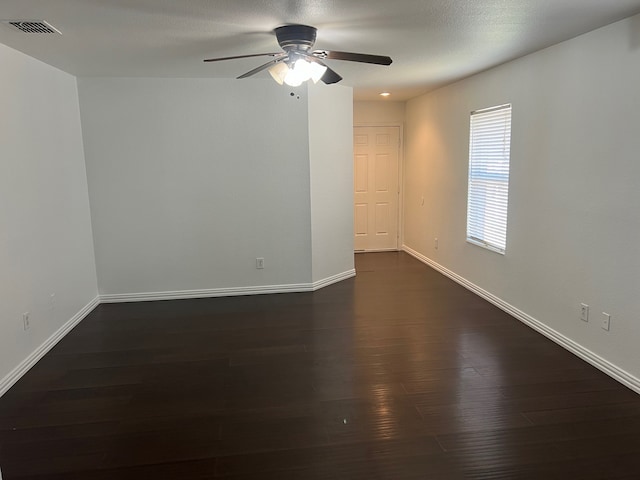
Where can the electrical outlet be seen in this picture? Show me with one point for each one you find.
(259, 263)
(584, 312)
(606, 321)
(435, 243)
(25, 320)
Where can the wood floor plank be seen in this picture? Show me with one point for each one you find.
(398, 373)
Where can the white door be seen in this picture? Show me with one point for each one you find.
(375, 166)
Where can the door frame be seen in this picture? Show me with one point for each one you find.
(400, 127)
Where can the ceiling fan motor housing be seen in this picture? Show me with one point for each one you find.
(296, 37)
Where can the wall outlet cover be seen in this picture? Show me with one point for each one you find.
(584, 312)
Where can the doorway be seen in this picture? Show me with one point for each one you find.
(376, 163)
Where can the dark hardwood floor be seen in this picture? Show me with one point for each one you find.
(398, 373)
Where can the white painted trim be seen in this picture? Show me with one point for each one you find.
(377, 250)
(585, 354)
(325, 282)
(204, 293)
(224, 292)
(23, 367)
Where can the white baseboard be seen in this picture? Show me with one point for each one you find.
(225, 292)
(378, 250)
(325, 282)
(12, 377)
(204, 293)
(587, 355)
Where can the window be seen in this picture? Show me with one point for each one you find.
(489, 152)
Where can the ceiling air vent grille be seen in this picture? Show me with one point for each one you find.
(31, 26)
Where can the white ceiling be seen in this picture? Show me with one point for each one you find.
(432, 42)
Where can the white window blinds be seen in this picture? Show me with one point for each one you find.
(489, 153)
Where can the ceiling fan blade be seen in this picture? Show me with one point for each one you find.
(354, 57)
(243, 56)
(264, 66)
(330, 76)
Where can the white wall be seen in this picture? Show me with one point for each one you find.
(331, 169)
(381, 112)
(191, 180)
(45, 229)
(574, 202)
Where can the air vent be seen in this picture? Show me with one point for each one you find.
(31, 26)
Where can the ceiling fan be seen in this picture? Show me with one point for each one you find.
(298, 63)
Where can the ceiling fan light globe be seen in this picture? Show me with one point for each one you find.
(292, 79)
(317, 71)
(279, 71)
(302, 68)
(298, 73)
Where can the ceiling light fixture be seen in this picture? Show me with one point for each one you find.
(385, 94)
(295, 72)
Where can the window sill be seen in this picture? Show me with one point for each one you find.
(486, 246)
